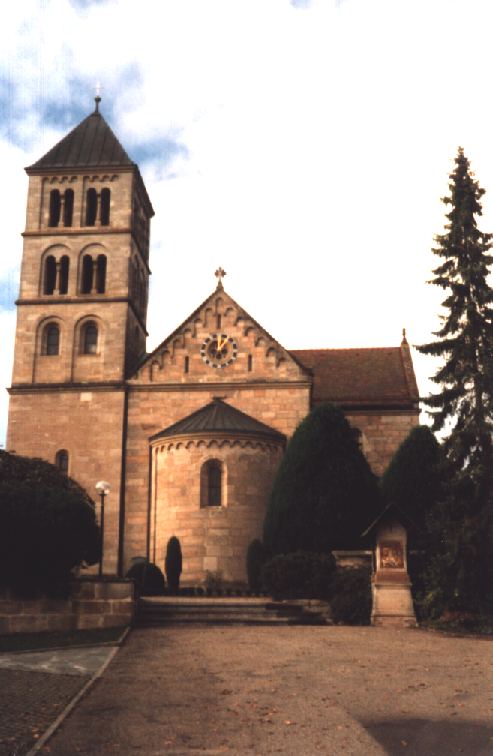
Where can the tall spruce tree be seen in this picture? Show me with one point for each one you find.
(465, 339)
(459, 573)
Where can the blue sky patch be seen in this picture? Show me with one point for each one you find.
(9, 289)
(161, 150)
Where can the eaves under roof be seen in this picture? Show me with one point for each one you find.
(217, 417)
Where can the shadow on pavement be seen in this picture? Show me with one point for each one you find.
(424, 737)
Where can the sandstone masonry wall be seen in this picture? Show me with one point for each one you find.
(91, 605)
(213, 538)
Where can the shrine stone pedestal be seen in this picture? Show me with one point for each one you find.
(391, 586)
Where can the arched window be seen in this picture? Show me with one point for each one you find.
(61, 461)
(49, 275)
(211, 484)
(91, 207)
(64, 268)
(101, 274)
(51, 340)
(68, 207)
(89, 338)
(54, 208)
(105, 207)
(86, 282)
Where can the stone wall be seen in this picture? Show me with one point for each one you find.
(382, 434)
(88, 424)
(91, 604)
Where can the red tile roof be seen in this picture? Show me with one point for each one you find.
(375, 376)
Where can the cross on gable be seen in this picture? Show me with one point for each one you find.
(220, 273)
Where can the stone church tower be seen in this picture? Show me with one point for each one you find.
(81, 315)
(190, 436)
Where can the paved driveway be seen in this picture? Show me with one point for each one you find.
(287, 690)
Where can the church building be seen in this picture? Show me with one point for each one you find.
(188, 436)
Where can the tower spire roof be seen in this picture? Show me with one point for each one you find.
(90, 144)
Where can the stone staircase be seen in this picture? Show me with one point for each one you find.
(171, 610)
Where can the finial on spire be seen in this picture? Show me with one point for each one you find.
(220, 273)
(97, 98)
(404, 340)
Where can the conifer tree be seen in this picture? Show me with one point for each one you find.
(459, 573)
(414, 479)
(324, 494)
(465, 340)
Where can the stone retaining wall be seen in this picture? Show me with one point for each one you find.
(91, 604)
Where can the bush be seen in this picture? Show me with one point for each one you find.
(302, 574)
(255, 560)
(47, 527)
(173, 564)
(415, 477)
(350, 596)
(324, 494)
(148, 578)
(214, 581)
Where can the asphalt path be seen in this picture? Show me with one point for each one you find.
(287, 690)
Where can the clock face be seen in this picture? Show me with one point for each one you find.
(219, 350)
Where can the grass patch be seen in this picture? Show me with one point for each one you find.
(59, 638)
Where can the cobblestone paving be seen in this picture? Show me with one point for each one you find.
(29, 703)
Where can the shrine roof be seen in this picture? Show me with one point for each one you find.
(380, 375)
(219, 417)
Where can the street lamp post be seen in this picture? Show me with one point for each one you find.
(103, 489)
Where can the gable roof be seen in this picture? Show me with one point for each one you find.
(217, 417)
(90, 144)
(372, 376)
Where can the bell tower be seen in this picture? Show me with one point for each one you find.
(82, 306)
(84, 279)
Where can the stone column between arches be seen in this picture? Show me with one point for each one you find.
(213, 538)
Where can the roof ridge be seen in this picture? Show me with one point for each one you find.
(344, 349)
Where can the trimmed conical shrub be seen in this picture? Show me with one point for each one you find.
(414, 477)
(325, 493)
(173, 564)
(255, 560)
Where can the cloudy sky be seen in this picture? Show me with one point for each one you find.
(304, 146)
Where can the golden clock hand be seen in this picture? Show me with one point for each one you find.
(220, 343)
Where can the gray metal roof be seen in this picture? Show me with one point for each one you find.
(219, 417)
(91, 143)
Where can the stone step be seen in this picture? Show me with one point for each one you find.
(162, 610)
(166, 611)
